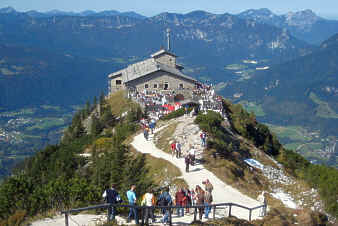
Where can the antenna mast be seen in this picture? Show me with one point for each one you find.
(168, 38)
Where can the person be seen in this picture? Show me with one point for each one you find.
(187, 198)
(173, 148)
(191, 114)
(208, 186)
(148, 200)
(165, 200)
(153, 125)
(192, 155)
(178, 150)
(179, 202)
(132, 201)
(112, 197)
(187, 163)
(207, 201)
(145, 133)
(203, 136)
(199, 200)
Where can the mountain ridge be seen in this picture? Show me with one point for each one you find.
(305, 25)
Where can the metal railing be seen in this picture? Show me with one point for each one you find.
(143, 209)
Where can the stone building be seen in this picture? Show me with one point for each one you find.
(160, 72)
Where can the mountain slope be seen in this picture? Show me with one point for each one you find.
(30, 76)
(300, 92)
(119, 40)
(305, 25)
(60, 177)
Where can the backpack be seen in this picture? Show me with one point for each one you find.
(208, 197)
(164, 200)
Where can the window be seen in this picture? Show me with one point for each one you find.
(146, 86)
(118, 82)
(180, 86)
(166, 86)
(155, 86)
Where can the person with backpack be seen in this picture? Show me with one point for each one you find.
(179, 198)
(132, 201)
(148, 200)
(165, 200)
(111, 196)
(200, 200)
(207, 201)
(208, 186)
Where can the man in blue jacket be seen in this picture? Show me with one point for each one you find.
(112, 197)
(132, 201)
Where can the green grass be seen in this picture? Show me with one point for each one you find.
(46, 123)
(295, 133)
(120, 104)
(323, 110)
(293, 146)
(165, 137)
(253, 107)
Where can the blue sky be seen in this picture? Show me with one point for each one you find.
(326, 8)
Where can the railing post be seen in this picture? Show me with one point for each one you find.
(108, 214)
(195, 213)
(214, 213)
(170, 217)
(230, 205)
(66, 219)
(142, 214)
(250, 214)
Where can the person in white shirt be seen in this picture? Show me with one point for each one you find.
(192, 155)
(148, 200)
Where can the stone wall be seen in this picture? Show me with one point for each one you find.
(115, 87)
(167, 60)
(159, 80)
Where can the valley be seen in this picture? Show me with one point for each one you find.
(48, 59)
(25, 131)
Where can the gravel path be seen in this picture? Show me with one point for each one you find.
(188, 134)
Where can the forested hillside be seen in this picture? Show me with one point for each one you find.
(301, 93)
(58, 177)
(308, 81)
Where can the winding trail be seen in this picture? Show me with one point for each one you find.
(188, 134)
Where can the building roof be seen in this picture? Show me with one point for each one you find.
(162, 51)
(148, 66)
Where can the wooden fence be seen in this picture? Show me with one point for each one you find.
(142, 210)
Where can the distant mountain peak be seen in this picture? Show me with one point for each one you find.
(302, 17)
(198, 13)
(261, 11)
(7, 10)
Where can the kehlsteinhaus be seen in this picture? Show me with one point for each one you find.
(159, 73)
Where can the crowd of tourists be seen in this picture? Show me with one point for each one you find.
(183, 199)
(157, 105)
